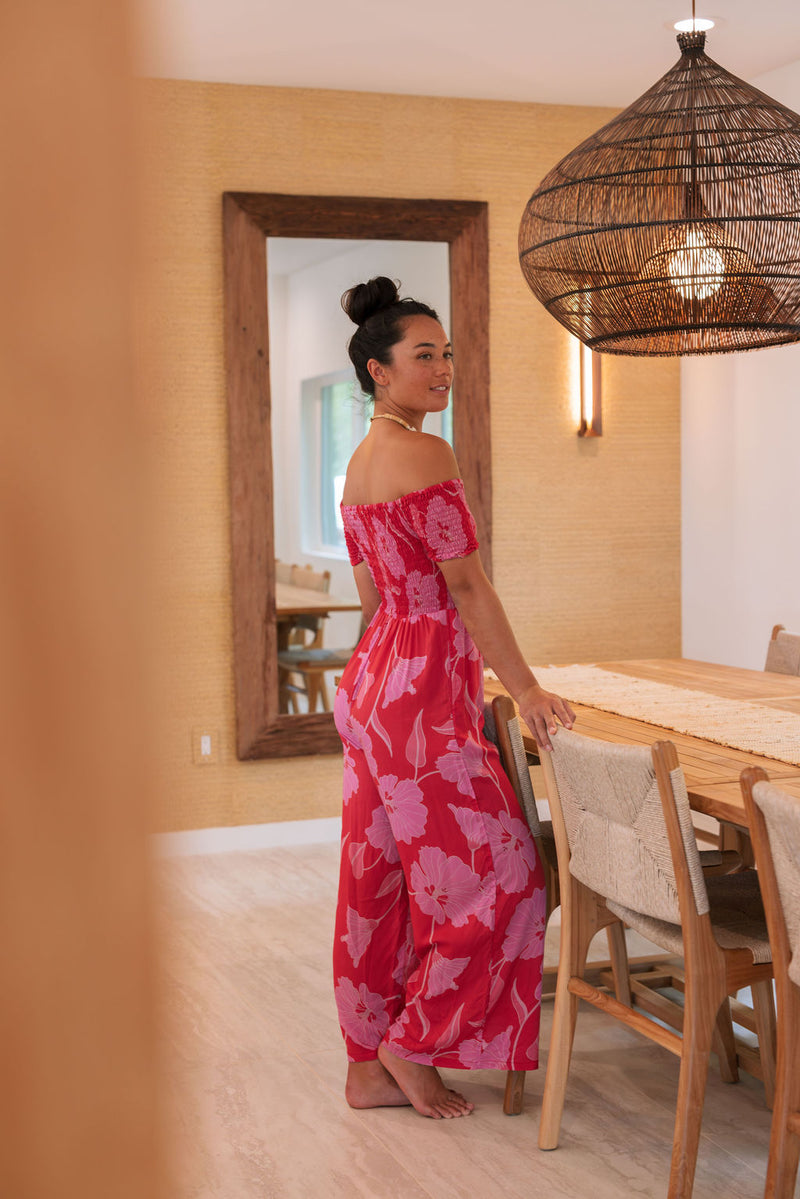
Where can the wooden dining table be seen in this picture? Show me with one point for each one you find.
(303, 601)
(712, 773)
(711, 770)
(291, 601)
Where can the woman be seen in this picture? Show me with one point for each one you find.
(440, 919)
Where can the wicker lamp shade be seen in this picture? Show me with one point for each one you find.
(675, 229)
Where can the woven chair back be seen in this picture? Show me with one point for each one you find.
(501, 711)
(614, 818)
(782, 817)
(783, 653)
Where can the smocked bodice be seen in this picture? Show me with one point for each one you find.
(402, 540)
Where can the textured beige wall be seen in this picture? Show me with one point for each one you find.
(586, 533)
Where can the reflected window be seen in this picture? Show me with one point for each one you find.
(334, 421)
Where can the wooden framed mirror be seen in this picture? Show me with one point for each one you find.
(249, 218)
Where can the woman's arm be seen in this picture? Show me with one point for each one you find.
(484, 616)
(367, 591)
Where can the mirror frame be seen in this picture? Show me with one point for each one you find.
(249, 218)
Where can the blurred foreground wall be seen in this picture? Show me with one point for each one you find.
(77, 1098)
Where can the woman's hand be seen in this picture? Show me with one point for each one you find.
(540, 710)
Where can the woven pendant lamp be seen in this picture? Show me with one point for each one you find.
(675, 229)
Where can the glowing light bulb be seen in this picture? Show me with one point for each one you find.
(697, 270)
(694, 25)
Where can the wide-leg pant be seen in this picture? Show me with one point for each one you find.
(441, 910)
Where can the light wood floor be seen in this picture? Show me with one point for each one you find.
(255, 1067)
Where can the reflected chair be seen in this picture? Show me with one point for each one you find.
(783, 652)
(314, 663)
(283, 571)
(627, 851)
(774, 819)
(501, 726)
(306, 634)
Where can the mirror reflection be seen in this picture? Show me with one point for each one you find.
(318, 418)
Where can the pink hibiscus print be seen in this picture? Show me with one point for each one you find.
(478, 1054)
(356, 850)
(360, 738)
(380, 836)
(525, 932)
(406, 961)
(444, 529)
(422, 592)
(512, 849)
(358, 935)
(350, 779)
(405, 807)
(471, 824)
(357, 527)
(362, 1013)
(465, 647)
(444, 887)
(387, 551)
(461, 764)
(485, 911)
(443, 972)
(401, 678)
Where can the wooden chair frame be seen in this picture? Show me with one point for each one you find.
(712, 974)
(503, 711)
(784, 1145)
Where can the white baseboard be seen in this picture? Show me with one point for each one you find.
(247, 836)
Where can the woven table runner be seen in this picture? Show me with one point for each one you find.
(741, 725)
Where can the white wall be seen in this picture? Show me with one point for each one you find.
(740, 416)
(309, 333)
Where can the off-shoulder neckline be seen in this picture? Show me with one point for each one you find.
(408, 495)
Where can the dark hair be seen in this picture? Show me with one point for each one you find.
(380, 314)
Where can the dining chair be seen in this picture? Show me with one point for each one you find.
(501, 726)
(283, 571)
(783, 652)
(627, 851)
(314, 663)
(306, 634)
(774, 819)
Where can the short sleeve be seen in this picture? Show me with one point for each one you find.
(443, 522)
(353, 550)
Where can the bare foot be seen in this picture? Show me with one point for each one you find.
(370, 1085)
(424, 1088)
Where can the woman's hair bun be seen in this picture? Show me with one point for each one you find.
(365, 299)
(381, 317)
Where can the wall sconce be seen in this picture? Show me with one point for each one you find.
(591, 412)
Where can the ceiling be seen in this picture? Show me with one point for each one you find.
(603, 52)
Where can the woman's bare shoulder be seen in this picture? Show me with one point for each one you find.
(376, 475)
(431, 460)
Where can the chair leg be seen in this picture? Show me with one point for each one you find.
(784, 1144)
(514, 1098)
(515, 1092)
(565, 1013)
(724, 1044)
(764, 1011)
(699, 1021)
(312, 690)
(578, 925)
(618, 953)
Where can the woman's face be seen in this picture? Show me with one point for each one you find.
(420, 375)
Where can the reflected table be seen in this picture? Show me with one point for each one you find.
(291, 602)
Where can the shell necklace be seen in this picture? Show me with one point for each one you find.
(397, 419)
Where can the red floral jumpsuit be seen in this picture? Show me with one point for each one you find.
(440, 918)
